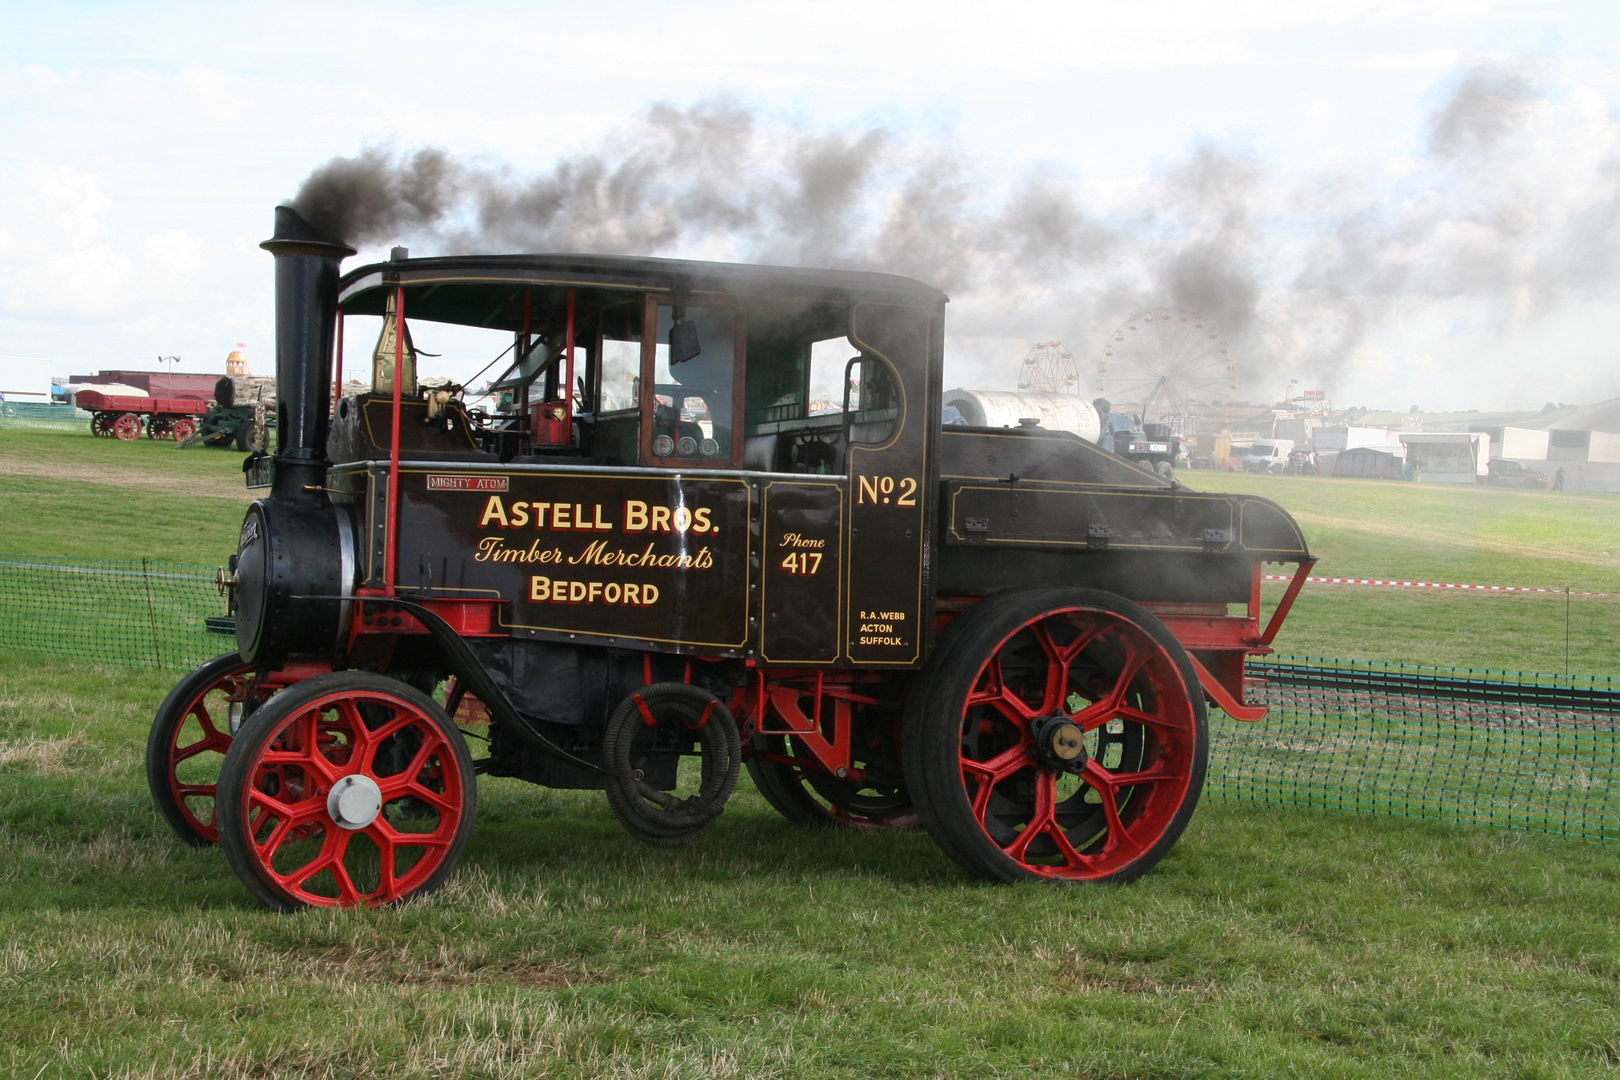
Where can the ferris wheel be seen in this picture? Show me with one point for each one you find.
(1048, 368)
(1168, 364)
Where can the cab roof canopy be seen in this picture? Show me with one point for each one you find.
(485, 290)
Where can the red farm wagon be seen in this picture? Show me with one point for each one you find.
(127, 416)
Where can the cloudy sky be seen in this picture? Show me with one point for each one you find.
(1399, 202)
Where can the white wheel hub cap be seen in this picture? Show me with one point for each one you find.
(355, 801)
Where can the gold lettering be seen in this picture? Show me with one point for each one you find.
(660, 519)
(635, 516)
(520, 514)
(560, 516)
(494, 510)
(700, 520)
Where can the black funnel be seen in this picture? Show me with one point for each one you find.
(306, 316)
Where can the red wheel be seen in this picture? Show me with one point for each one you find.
(183, 429)
(190, 734)
(159, 427)
(101, 424)
(127, 427)
(346, 789)
(1064, 737)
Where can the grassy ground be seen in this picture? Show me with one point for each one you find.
(1268, 943)
(1450, 533)
(72, 496)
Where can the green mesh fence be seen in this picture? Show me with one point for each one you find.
(128, 613)
(1495, 748)
(28, 414)
(1499, 748)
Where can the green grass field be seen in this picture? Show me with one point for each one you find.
(1270, 942)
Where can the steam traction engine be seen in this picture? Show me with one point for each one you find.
(724, 527)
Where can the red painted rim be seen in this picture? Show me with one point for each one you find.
(127, 427)
(183, 429)
(1119, 686)
(293, 841)
(214, 741)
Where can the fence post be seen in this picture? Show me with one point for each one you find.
(151, 611)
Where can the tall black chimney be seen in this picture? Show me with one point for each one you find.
(306, 313)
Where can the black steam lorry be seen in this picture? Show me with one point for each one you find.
(670, 562)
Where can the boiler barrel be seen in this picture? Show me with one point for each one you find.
(1004, 408)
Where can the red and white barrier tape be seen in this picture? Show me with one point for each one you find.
(1436, 585)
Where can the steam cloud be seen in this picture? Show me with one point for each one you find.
(1296, 273)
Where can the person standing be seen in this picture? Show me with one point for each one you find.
(1558, 480)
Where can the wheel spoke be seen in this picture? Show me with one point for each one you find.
(1113, 705)
(1001, 698)
(431, 744)
(990, 773)
(1100, 777)
(306, 728)
(200, 712)
(1102, 783)
(369, 740)
(1060, 659)
(347, 892)
(203, 745)
(287, 818)
(1041, 820)
(384, 840)
(405, 784)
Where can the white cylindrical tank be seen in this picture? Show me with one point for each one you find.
(1004, 408)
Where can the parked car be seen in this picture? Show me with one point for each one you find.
(1505, 473)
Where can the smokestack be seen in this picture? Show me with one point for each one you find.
(306, 314)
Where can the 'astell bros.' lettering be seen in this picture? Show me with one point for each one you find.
(632, 517)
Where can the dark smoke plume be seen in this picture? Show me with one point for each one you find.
(1297, 273)
(377, 194)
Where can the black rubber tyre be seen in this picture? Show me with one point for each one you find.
(179, 789)
(275, 812)
(1019, 661)
(1166, 470)
(658, 817)
(783, 791)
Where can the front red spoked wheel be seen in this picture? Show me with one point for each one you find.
(190, 734)
(1066, 738)
(127, 427)
(347, 789)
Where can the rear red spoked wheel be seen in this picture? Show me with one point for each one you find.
(127, 427)
(346, 789)
(159, 427)
(1066, 738)
(101, 424)
(190, 734)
